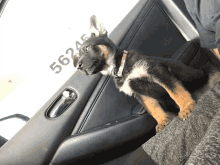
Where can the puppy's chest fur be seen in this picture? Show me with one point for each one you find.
(138, 71)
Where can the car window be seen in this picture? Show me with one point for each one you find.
(37, 41)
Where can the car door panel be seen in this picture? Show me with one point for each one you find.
(38, 140)
(153, 33)
(103, 138)
(105, 105)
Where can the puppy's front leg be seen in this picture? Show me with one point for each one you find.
(156, 111)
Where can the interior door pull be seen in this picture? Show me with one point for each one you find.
(61, 104)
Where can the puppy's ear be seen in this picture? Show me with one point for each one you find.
(96, 27)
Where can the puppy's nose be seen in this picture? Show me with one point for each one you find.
(79, 65)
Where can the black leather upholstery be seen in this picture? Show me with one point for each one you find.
(153, 33)
(103, 138)
(193, 55)
(105, 105)
(185, 53)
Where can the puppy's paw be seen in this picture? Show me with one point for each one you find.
(159, 127)
(162, 125)
(185, 112)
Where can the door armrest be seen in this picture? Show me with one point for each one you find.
(103, 138)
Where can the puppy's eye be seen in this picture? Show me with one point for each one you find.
(88, 48)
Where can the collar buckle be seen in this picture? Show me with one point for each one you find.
(122, 63)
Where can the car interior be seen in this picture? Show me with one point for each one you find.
(88, 118)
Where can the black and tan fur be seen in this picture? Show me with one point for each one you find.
(155, 82)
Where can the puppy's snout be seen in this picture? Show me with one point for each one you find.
(79, 65)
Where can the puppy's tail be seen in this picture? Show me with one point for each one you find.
(213, 74)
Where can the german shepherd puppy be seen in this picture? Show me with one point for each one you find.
(155, 82)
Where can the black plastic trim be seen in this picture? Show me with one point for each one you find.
(103, 138)
(2, 6)
(93, 103)
(19, 116)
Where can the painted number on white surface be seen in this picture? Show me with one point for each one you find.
(56, 66)
(72, 52)
(65, 60)
(83, 39)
